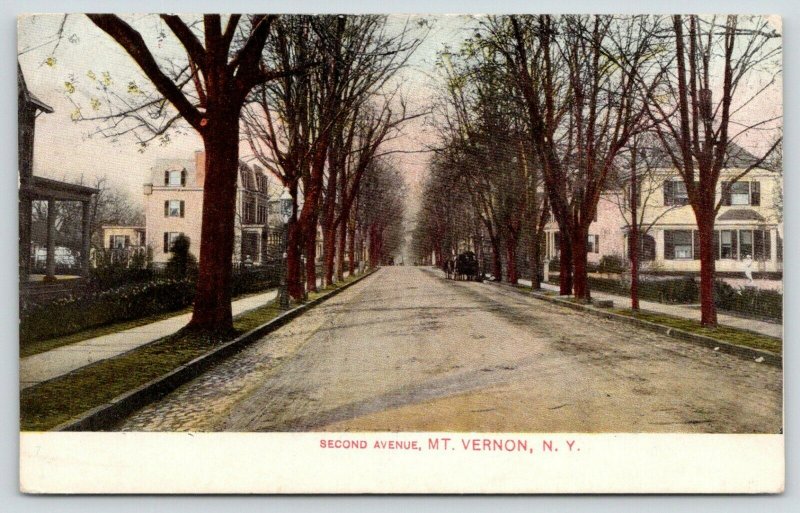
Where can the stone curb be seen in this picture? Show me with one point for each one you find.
(703, 340)
(107, 415)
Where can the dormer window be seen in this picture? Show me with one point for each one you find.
(175, 178)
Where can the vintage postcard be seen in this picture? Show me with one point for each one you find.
(522, 253)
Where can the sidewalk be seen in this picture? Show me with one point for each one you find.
(48, 365)
(685, 311)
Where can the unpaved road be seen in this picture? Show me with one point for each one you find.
(406, 350)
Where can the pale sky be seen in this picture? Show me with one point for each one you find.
(63, 150)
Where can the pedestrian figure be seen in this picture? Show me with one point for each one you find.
(748, 268)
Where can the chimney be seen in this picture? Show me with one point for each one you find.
(200, 167)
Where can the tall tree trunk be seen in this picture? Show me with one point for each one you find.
(342, 244)
(708, 310)
(497, 260)
(634, 246)
(351, 248)
(580, 276)
(328, 252)
(536, 259)
(212, 307)
(294, 244)
(565, 265)
(511, 259)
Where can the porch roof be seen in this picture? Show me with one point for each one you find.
(38, 187)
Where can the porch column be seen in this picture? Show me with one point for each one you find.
(86, 237)
(24, 237)
(50, 263)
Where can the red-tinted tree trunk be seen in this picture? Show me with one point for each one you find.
(565, 266)
(293, 262)
(708, 310)
(328, 252)
(212, 307)
(580, 278)
(497, 260)
(351, 249)
(341, 242)
(511, 260)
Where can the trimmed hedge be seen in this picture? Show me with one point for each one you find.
(73, 314)
(678, 291)
(749, 301)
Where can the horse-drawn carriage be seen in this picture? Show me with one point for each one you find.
(464, 267)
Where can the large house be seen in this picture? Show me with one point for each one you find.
(748, 224)
(174, 206)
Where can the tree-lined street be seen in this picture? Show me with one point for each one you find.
(406, 350)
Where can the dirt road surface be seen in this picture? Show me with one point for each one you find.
(407, 350)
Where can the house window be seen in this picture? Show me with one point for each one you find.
(741, 193)
(593, 244)
(675, 193)
(746, 243)
(727, 244)
(647, 247)
(120, 241)
(249, 213)
(261, 217)
(678, 245)
(169, 240)
(175, 178)
(174, 208)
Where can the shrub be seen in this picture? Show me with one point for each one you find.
(611, 264)
(681, 290)
(182, 264)
(749, 301)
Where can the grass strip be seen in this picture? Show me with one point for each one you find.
(48, 404)
(724, 333)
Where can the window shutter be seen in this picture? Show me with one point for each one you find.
(767, 245)
(696, 244)
(166, 242)
(726, 193)
(755, 194)
(166, 177)
(735, 244)
(111, 242)
(182, 208)
(668, 195)
(669, 245)
(716, 245)
(758, 245)
(183, 178)
(597, 244)
(127, 241)
(166, 208)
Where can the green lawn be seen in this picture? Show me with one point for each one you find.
(44, 406)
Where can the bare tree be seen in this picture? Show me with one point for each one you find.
(222, 64)
(700, 111)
